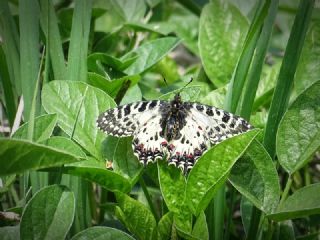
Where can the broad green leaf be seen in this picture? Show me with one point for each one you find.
(287, 230)
(303, 202)
(149, 54)
(102, 233)
(298, 136)
(308, 70)
(256, 177)
(132, 95)
(77, 106)
(96, 171)
(10, 232)
(222, 31)
(49, 214)
(136, 217)
(66, 145)
(246, 210)
(17, 156)
(43, 128)
(173, 188)
(111, 87)
(215, 98)
(129, 11)
(188, 94)
(186, 25)
(200, 229)
(119, 151)
(165, 226)
(212, 168)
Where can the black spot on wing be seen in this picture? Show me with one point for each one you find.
(153, 104)
(209, 111)
(127, 109)
(143, 106)
(225, 117)
(199, 107)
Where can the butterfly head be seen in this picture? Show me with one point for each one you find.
(176, 102)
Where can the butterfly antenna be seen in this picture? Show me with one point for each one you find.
(165, 81)
(186, 85)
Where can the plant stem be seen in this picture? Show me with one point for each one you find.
(254, 223)
(229, 217)
(219, 204)
(147, 195)
(286, 190)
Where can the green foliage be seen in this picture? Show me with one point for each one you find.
(62, 178)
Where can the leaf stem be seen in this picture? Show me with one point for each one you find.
(148, 197)
(286, 190)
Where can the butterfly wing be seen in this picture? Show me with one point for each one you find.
(206, 126)
(217, 123)
(140, 120)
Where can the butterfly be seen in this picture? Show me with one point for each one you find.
(178, 131)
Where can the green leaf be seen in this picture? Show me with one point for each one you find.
(246, 211)
(149, 54)
(17, 156)
(303, 202)
(119, 150)
(136, 217)
(256, 177)
(66, 145)
(189, 94)
(172, 185)
(77, 106)
(129, 11)
(111, 87)
(10, 233)
(79, 38)
(165, 226)
(29, 50)
(173, 188)
(49, 214)
(221, 35)
(286, 74)
(102, 233)
(200, 229)
(298, 136)
(49, 26)
(287, 230)
(43, 128)
(10, 43)
(96, 171)
(132, 95)
(308, 71)
(212, 168)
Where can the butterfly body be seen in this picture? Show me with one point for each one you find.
(176, 130)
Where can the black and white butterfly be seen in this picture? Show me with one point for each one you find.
(179, 131)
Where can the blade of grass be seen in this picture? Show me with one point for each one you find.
(286, 75)
(29, 50)
(241, 70)
(78, 47)
(49, 25)
(8, 90)
(10, 39)
(232, 99)
(258, 61)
